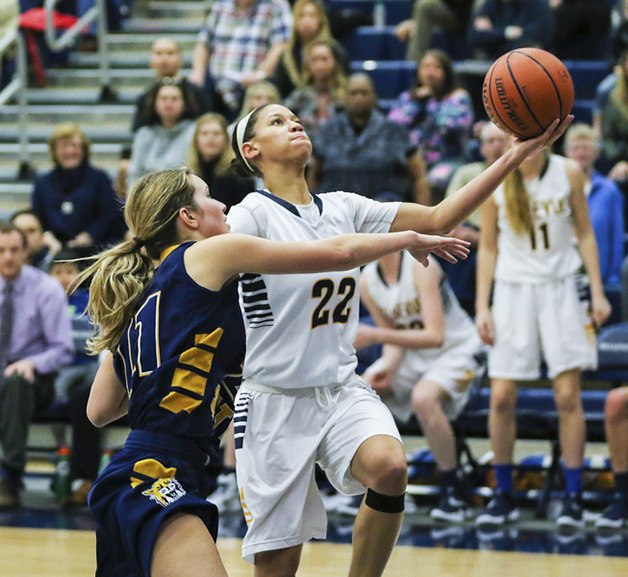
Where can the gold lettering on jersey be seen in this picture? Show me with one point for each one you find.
(542, 209)
(407, 308)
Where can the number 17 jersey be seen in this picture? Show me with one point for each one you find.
(300, 328)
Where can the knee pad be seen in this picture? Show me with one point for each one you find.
(385, 503)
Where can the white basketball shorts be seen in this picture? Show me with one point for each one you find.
(280, 435)
(540, 321)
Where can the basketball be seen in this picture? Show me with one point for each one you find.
(525, 90)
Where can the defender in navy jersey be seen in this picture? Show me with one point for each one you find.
(301, 402)
(174, 338)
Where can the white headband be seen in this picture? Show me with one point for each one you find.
(240, 130)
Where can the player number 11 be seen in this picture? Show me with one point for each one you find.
(544, 237)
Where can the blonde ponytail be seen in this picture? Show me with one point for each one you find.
(120, 274)
(517, 203)
(119, 277)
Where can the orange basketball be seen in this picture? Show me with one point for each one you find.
(525, 90)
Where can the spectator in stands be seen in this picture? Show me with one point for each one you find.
(359, 149)
(324, 87)
(9, 13)
(166, 62)
(498, 26)
(582, 28)
(449, 15)
(210, 156)
(164, 141)
(493, 143)
(439, 116)
(39, 254)
(428, 359)
(240, 44)
(75, 201)
(616, 424)
(310, 23)
(606, 204)
(527, 247)
(35, 342)
(74, 381)
(619, 29)
(256, 95)
(614, 126)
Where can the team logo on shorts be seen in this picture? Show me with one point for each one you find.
(165, 491)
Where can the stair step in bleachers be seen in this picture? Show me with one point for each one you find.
(53, 113)
(91, 77)
(144, 41)
(120, 59)
(78, 96)
(396, 10)
(40, 153)
(103, 130)
(188, 8)
(163, 26)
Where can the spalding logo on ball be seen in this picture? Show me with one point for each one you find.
(525, 90)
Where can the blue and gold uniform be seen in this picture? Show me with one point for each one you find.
(181, 362)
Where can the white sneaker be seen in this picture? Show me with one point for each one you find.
(226, 496)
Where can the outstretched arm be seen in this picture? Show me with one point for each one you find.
(232, 254)
(440, 219)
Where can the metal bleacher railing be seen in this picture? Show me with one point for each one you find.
(17, 86)
(56, 43)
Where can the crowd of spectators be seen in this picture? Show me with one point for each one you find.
(424, 145)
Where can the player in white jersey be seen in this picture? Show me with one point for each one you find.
(301, 402)
(429, 358)
(531, 231)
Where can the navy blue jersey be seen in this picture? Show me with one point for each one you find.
(181, 355)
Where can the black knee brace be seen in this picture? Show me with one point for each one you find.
(385, 503)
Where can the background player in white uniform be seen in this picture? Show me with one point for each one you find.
(428, 361)
(528, 246)
(301, 402)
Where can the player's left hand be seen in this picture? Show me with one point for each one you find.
(600, 310)
(448, 247)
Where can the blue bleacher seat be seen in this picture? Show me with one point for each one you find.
(370, 43)
(390, 77)
(586, 75)
(396, 10)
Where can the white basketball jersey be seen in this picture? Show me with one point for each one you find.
(301, 328)
(549, 252)
(401, 303)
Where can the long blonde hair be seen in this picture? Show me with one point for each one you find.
(294, 72)
(194, 159)
(339, 88)
(120, 274)
(619, 94)
(517, 203)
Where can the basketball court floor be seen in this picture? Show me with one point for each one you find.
(42, 540)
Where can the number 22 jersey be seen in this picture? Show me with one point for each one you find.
(300, 328)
